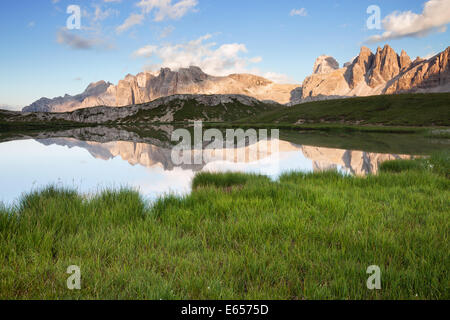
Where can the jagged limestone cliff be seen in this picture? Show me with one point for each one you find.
(147, 86)
(384, 72)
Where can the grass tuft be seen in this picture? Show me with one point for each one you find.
(306, 236)
(397, 166)
(438, 162)
(224, 180)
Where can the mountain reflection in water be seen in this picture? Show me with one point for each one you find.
(90, 166)
(150, 156)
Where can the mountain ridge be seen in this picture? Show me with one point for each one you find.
(149, 86)
(382, 72)
(167, 109)
(431, 109)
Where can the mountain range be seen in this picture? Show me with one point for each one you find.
(148, 86)
(383, 72)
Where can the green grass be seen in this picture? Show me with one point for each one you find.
(431, 109)
(439, 162)
(190, 110)
(438, 133)
(306, 236)
(401, 165)
(422, 114)
(16, 123)
(225, 180)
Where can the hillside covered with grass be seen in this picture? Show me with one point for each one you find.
(432, 109)
(178, 111)
(413, 110)
(306, 236)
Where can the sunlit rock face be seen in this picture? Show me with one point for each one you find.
(382, 72)
(432, 75)
(96, 94)
(149, 86)
(171, 104)
(325, 64)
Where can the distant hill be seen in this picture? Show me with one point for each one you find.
(397, 110)
(431, 109)
(176, 108)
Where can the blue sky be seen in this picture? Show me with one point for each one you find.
(277, 39)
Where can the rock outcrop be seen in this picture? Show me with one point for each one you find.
(148, 86)
(432, 75)
(384, 72)
(186, 104)
(96, 94)
(325, 64)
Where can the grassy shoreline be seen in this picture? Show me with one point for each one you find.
(403, 113)
(38, 126)
(24, 128)
(237, 236)
(328, 127)
(389, 110)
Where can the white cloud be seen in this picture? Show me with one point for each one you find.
(100, 14)
(75, 41)
(166, 32)
(146, 51)
(299, 12)
(222, 60)
(91, 35)
(212, 59)
(132, 20)
(165, 9)
(255, 60)
(434, 18)
(277, 77)
(162, 10)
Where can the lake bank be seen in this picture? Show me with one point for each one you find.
(403, 113)
(236, 236)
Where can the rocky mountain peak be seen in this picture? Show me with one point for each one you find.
(149, 86)
(250, 79)
(192, 73)
(405, 60)
(385, 67)
(360, 67)
(365, 52)
(325, 64)
(96, 88)
(384, 72)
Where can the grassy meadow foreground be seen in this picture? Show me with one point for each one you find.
(236, 236)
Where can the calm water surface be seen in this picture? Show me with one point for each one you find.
(91, 166)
